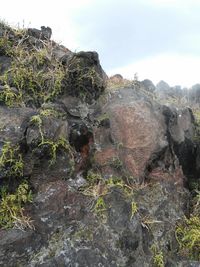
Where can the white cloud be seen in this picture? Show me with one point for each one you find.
(174, 69)
(172, 3)
(56, 14)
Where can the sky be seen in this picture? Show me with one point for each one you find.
(157, 39)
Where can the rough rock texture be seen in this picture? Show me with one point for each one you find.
(141, 135)
(148, 85)
(109, 173)
(133, 138)
(85, 77)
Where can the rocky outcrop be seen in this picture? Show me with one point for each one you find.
(108, 172)
(85, 77)
(142, 135)
(148, 85)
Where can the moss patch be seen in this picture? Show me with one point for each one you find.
(11, 207)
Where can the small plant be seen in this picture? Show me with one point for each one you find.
(9, 97)
(119, 145)
(84, 234)
(55, 146)
(118, 182)
(116, 163)
(36, 119)
(196, 203)
(11, 160)
(100, 208)
(93, 178)
(147, 221)
(197, 125)
(49, 113)
(102, 118)
(35, 73)
(188, 237)
(11, 207)
(114, 181)
(134, 208)
(5, 44)
(158, 259)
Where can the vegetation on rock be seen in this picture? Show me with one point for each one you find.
(11, 207)
(11, 162)
(188, 232)
(118, 177)
(54, 146)
(158, 259)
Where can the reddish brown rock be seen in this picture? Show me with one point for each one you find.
(141, 136)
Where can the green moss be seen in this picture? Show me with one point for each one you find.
(35, 73)
(39, 57)
(11, 160)
(54, 146)
(119, 182)
(5, 45)
(100, 208)
(93, 178)
(82, 81)
(158, 259)
(197, 125)
(188, 237)
(84, 234)
(119, 145)
(116, 163)
(49, 113)
(196, 203)
(114, 181)
(188, 231)
(102, 117)
(36, 119)
(11, 207)
(9, 97)
(134, 208)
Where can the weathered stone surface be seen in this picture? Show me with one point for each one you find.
(85, 78)
(52, 129)
(61, 53)
(16, 246)
(13, 123)
(141, 135)
(121, 240)
(119, 186)
(5, 62)
(134, 138)
(43, 34)
(148, 85)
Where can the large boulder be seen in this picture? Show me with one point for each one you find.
(148, 85)
(140, 136)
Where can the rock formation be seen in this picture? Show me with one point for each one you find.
(109, 171)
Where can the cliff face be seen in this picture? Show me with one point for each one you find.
(89, 177)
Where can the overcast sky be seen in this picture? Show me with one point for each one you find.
(158, 39)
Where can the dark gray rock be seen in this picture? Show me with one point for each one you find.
(148, 85)
(43, 34)
(85, 78)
